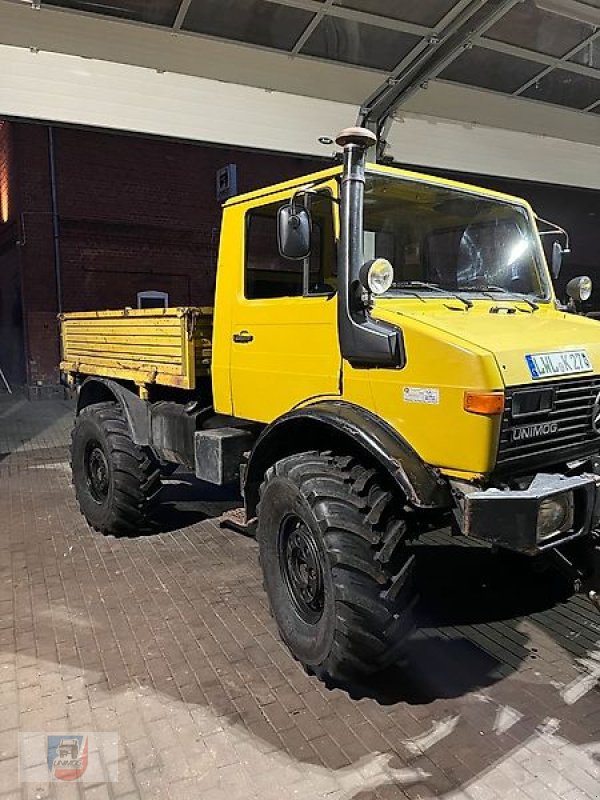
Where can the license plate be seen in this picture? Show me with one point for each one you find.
(567, 362)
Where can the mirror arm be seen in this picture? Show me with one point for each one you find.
(554, 228)
(312, 191)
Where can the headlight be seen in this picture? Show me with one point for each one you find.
(377, 276)
(580, 289)
(555, 515)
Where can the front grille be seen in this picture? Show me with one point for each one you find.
(574, 435)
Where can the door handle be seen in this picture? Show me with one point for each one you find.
(243, 337)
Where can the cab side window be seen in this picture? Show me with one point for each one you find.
(268, 274)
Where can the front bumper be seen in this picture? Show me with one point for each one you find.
(509, 518)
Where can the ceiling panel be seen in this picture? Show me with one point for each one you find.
(529, 27)
(355, 43)
(487, 69)
(156, 12)
(424, 12)
(565, 89)
(254, 21)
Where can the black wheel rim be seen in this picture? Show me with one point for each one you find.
(301, 567)
(97, 472)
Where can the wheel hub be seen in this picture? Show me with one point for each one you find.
(302, 568)
(97, 472)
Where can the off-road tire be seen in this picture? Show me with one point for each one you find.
(116, 482)
(339, 510)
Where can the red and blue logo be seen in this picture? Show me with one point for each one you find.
(67, 757)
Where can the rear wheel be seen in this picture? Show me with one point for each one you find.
(337, 569)
(116, 481)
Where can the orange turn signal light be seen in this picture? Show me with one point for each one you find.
(488, 403)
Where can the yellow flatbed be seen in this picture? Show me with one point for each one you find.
(164, 346)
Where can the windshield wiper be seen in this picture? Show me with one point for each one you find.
(422, 285)
(516, 295)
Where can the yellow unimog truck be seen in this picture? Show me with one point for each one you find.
(386, 353)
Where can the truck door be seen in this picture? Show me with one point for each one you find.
(284, 346)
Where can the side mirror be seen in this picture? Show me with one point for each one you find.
(557, 255)
(580, 289)
(293, 232)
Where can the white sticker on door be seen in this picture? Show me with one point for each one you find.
(414, 394)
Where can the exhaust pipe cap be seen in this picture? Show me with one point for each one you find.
(358, 136)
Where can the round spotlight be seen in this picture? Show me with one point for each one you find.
(377, 275)
(580, 288)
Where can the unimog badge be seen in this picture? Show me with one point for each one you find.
(534, 431)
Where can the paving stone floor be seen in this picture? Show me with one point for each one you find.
(165, 641)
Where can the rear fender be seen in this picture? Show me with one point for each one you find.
(136, 411)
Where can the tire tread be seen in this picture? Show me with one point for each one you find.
(137, 481)
(364, 532)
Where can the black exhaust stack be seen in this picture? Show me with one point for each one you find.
(364, 341)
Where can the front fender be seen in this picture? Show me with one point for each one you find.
(351, 430)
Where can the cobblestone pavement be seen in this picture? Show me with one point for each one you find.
(166, 641)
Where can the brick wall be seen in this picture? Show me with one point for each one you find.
(135, 214)
(140, 214)
(12, 359)
(33, 198)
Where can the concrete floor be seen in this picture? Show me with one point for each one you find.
(165, 643)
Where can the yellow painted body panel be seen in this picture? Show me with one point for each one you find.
(294, 353)
(466, 350)
(170, 347)
(293, 356)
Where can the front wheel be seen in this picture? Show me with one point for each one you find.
(116, 481)
(337, 570)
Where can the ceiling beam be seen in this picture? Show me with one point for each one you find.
(389, 23)
(475, 18)
(422, 45)
(540, 58)
(304, 36)
(562, 61)
(572, 9)
(181, 14)
(381, 22)
(451, 15)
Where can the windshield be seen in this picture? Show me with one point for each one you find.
(437, 238)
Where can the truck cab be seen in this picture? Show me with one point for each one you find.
(386, 348)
